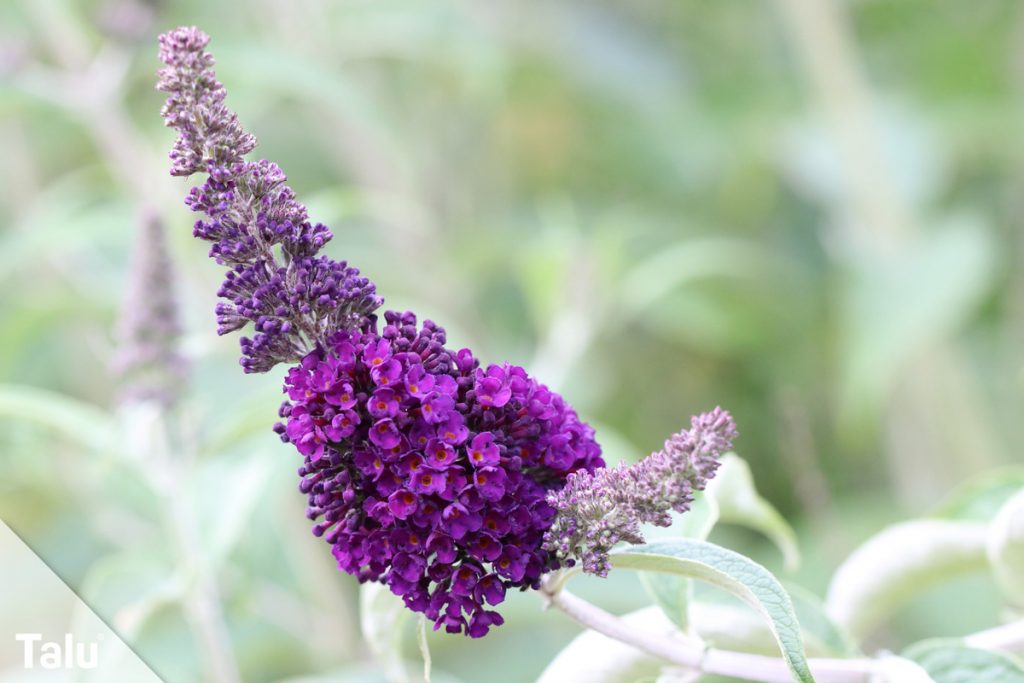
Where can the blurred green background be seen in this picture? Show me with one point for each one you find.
(808, 213)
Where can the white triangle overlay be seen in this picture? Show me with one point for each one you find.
(48, 634)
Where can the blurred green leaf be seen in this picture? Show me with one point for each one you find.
(735, 573)
(738, 502)
(1006, 548)
(898, 563)
(950, 661)
(980, 498)
(670, 592)
(731, 626)
(673, 594)
(75, 419)
(595, 658)
(893, 669)
(244, 484)
(682, 263)
(823, 636)
(893, 307)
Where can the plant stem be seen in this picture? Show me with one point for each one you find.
(1008, 638)
(690, 654)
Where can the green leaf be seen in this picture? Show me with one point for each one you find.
(732, 626)
(730, 497)
(1005, 548)
(76, 419)
(891, 308)
(698, 522)
(950, 661)
(735, 573)
(821, 633)
(595, 658)
(382, 618)
(980, 498)
(738, 502)
(244, 483)
(672, 594)
(897, 564)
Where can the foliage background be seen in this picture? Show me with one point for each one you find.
(655, 206)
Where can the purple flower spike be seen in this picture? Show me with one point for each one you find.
(293, 298)
(430, 459)
(598, 509)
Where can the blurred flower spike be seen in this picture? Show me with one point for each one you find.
(424, 470)
(146, 361)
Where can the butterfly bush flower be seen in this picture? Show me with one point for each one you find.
(597, 509)
(275, 281)
(423, 469)
(448, 481)
(429, 472)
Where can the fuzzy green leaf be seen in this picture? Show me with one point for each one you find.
(898, 563)
(735, 573)
(595, 658)
(950, 661)
(1005, 548)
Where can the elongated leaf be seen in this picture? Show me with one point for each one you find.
(730, 497)
(244, 484)
(80, 421)
(738, 502)
(732, 627)
(979, 499)
(735, 573)
(897, 564)
(1005, 548)
(670, 592)
(950, 661)
(822, 635)
(595, 658)
(673, 594)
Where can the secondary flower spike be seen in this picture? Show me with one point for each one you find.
(294, 298)
(597, 510)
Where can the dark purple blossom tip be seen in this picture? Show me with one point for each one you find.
(430, 488)
(598, 509)
(293, 298)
